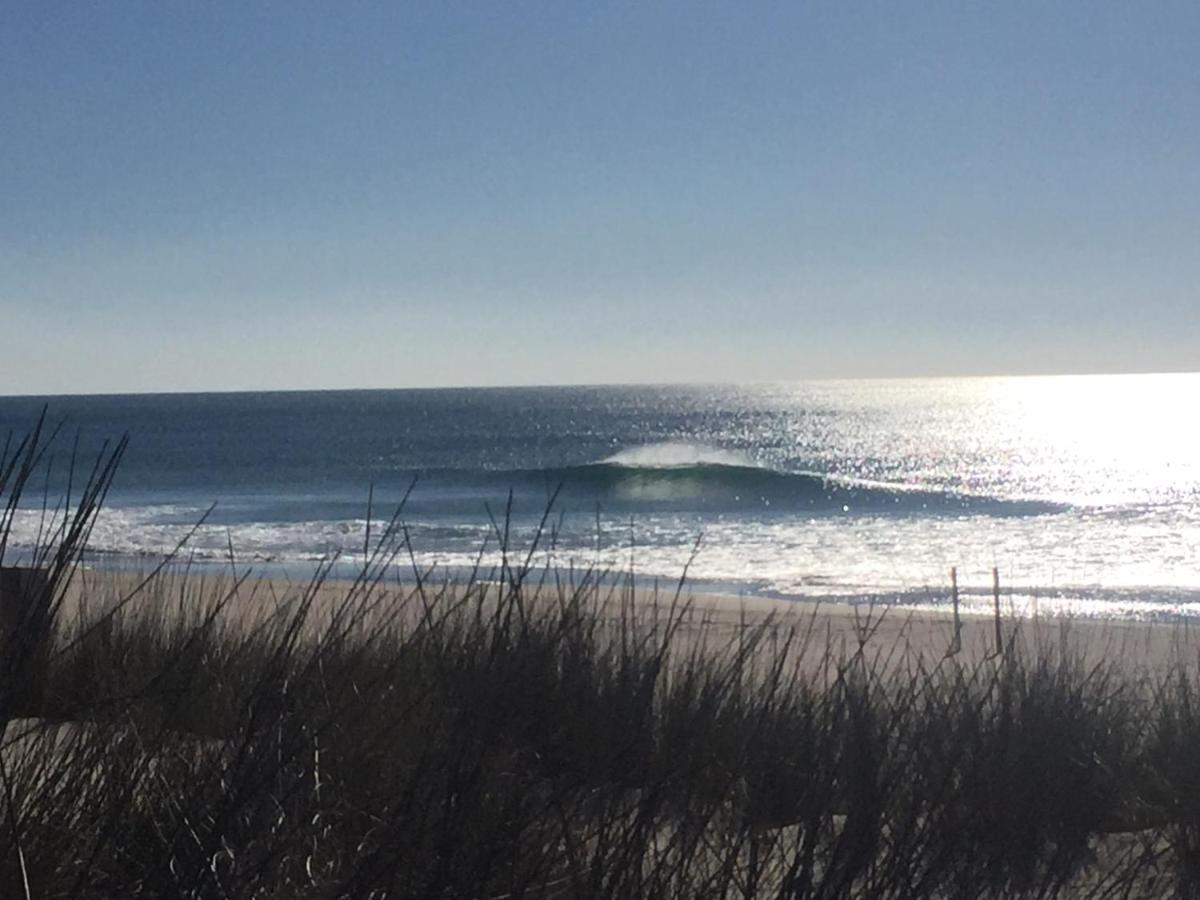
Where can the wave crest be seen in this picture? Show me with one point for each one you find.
(687, 476)
(677, 454)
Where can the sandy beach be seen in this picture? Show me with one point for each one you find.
(893, 631)
(773, 731)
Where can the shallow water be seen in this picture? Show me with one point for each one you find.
(1083, 491)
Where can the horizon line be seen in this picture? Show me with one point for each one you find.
(582, 384)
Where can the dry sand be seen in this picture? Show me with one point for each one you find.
(714, 619)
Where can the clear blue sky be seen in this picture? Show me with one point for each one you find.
(249, 195)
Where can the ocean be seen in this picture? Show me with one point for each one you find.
(1083, 492)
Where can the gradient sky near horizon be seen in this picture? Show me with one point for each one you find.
(300, 195)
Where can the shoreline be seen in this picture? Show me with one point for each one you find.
(1162, 604)
(711, 617)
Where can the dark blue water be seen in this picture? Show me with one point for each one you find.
(290, 456)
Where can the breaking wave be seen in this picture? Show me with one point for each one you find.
(684, 475)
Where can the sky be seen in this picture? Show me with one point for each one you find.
(234, 195)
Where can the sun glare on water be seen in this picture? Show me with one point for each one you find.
(1112, 439)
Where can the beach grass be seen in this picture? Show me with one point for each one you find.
(528, 732)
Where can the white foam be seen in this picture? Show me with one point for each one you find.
(674, 454)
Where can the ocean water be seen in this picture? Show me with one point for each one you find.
(1084, 492)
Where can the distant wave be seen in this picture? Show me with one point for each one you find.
(687, 476)
(741, 486)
